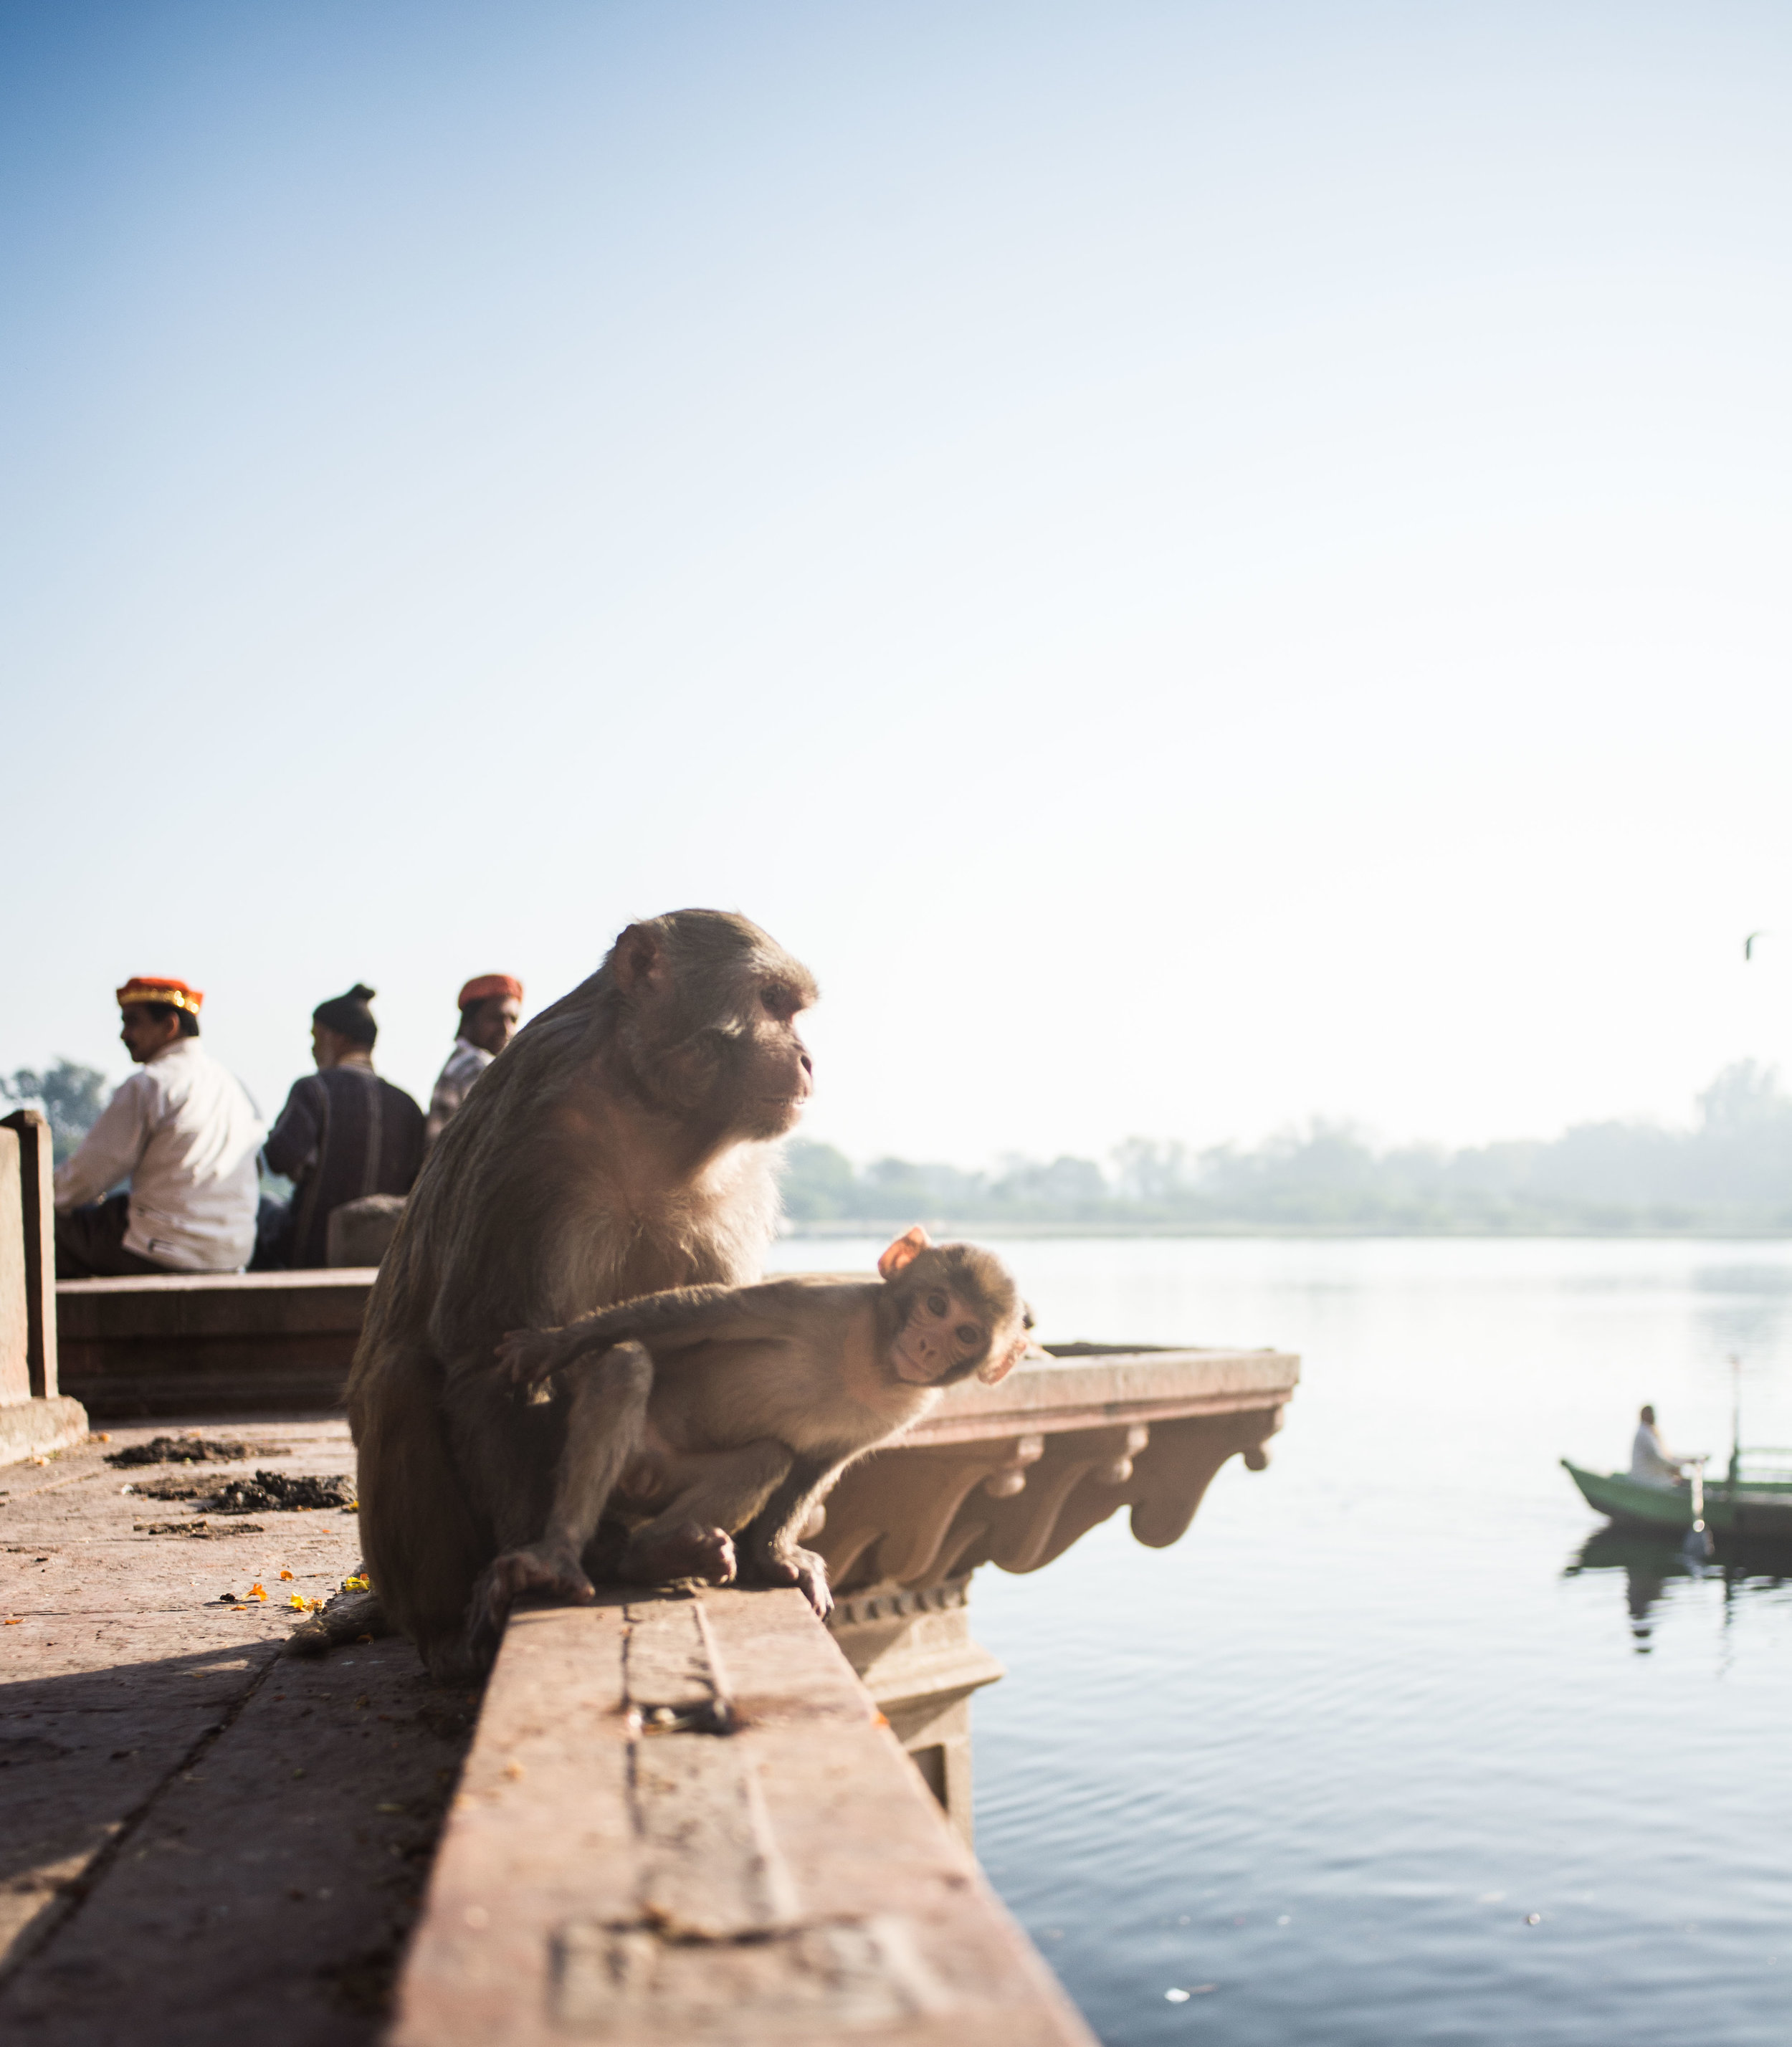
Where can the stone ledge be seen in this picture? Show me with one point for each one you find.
(31, 1428)
(206, 1343)
(788, 1880)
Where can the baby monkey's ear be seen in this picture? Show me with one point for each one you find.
(994, 1370)
(907, 1248)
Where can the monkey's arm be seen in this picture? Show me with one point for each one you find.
(665, 1322)
(770, 1543)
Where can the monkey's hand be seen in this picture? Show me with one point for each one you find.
(528, 1356)
(801, 1568)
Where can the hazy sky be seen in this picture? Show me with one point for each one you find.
(1200, 563)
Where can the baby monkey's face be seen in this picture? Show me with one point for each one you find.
(941, 1335)
(956, 1312)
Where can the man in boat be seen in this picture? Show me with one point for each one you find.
(1651, 1461)
(182, 1131)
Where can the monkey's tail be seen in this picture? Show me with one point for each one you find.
(349, 1617)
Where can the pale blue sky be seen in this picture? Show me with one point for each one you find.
(1200, 563)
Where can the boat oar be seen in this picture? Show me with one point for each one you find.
(1698, 1543)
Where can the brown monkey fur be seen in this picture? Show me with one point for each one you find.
(620, 1145)
(708, 1412)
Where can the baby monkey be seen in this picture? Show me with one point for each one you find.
(711, 1419)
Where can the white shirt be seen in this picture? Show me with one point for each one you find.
(465, 1063)
(183, 1129)
(1649, 1460)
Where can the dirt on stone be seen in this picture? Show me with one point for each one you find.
(167, 1488)
(275, 1492)
(267, 1493)
(198, 1530)
(190, 1450)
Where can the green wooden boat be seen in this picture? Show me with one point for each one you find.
(1754, 1498)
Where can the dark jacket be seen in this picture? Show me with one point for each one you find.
(343, 1133)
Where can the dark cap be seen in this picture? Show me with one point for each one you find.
(349, 1015)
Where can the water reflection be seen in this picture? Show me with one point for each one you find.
(1651, 1562)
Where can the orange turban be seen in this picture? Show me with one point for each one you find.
(159, 988)
(485, 985)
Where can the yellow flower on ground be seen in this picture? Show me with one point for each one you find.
(357, 1583)
(256, 1592)
(299, 1600)
(286, 1574)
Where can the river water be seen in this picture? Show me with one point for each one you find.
(1382, 1751)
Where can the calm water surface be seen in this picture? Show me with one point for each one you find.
(1320, 1763)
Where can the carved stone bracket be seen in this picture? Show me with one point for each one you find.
(969, 1489)
(1014, 1474)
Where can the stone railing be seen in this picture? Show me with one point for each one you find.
(1011, 1475)
(681, 1820)
(36, 1416)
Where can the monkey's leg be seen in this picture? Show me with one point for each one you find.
(606, 1422)
(690, 1539)
(772, 1551)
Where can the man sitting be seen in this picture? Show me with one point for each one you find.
(344, 1132)
(489, 1007)
(183, 1132)
(1651, 1461)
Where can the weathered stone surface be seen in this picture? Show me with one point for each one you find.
(358, 1234)
(201, 1841)
(15, 1322)
(788, 1879)
(207, 1343)
(32, 1428)
(36, 1219)
(919, 1660)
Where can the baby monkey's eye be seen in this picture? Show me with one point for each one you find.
(937, 1304)
(969, 1334)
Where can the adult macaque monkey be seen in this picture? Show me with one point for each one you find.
(709, 1412)
(621, 1145)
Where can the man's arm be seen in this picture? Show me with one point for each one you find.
(110, 1151)
(292, 1142)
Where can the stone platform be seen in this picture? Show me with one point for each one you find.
(201, 1840)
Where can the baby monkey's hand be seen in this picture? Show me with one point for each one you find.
(528, 1356)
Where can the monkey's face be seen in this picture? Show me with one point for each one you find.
(770, 1076)
(944, 1338)
(724, 1055)
(951, 1309)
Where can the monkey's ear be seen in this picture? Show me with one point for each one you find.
(907, 1248)
(640, 961)
(993, 1370)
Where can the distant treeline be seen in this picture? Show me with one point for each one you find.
(70, 1097)
(1732, 1171)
